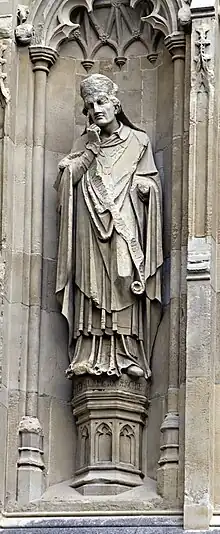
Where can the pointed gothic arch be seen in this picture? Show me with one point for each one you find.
(53, 25)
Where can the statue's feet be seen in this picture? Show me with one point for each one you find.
(78, 369)
(136, 371)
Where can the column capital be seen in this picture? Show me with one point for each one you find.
(175, 44)
(42, 57)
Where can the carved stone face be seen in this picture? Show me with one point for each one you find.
(100, 108)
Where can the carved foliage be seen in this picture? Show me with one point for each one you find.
(201, 142)
(202, 58)
(4, 91)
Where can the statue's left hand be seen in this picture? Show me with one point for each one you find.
(63, 163)
(143, 191)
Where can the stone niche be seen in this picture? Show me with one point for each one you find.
(149, 439)
(121, 446)
(114, 42)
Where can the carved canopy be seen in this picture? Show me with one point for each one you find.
(55, 21)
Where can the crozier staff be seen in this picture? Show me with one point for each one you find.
(110, 240)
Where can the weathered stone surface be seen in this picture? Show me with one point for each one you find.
(5, 26)
(3, 418)
(44, 109)
(110, 415)
(99, 340)
(120, 525)
(62, 436)
(95, 525)
(61, 96)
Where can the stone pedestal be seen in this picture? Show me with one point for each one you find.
(110, 415)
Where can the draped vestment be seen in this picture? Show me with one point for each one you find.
(110, 236)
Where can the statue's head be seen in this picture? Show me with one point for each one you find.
(100, 101)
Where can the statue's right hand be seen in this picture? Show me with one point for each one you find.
(93, 132)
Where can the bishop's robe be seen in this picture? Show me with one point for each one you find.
(110, 254)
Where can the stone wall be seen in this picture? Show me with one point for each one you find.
(146, 87)
(40, 117)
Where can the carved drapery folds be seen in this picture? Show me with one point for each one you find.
(127, 21)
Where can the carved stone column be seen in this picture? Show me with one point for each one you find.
(201, 339)
(30, 464)
(167, 479)
(110, 414)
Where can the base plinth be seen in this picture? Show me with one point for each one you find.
(101, 489)
(110, 414)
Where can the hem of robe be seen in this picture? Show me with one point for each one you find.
(107, 354)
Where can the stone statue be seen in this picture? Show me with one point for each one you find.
(110, 240)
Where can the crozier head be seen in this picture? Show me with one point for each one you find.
(100, 101)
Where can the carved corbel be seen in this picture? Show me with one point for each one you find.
(23, 30)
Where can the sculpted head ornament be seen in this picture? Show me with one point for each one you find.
(97, 83)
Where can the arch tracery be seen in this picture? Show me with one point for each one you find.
(53, 22)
